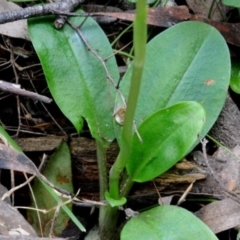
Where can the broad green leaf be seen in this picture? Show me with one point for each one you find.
(65, 208)
(58, 171)
(148, 1)
(235, 77)
(232, 3)
(10, 141)
(166, 223)
(166, 136)
(75, 76)
(188, 62)
(5, 137)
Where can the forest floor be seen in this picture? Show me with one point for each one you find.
(40, 128)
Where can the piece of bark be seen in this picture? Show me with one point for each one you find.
(177, 179)
(85, 170)
(39, 144)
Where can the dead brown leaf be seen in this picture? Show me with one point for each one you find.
(11, 219)
(14, 160)
(221, 215)
(16, 29)
(162, 17)
(168, 16)
(224, 177)
(209, 9)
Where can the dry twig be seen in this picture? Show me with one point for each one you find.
(15, 89)
(39, 10)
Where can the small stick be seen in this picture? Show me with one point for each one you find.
(39, 10)
(10, 192)
(182, 198)
(55, 216)
(99, 58)
(16, 89)
(160, 201)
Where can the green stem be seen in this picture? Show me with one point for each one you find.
(109, 215)
(102, 172)
(102, 168)
(121, 34)
(123, 53)
(139, 39)
(107, 222)
(126, 186)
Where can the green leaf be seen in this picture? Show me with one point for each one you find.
(115, 202)
(65, 208)
(75, 76)
(167, 136)
(58, 171)
(10, 141)
(166, 223)
(5, 137)
(148, 1)
(188, 62)
(235, 77)
(232, 3)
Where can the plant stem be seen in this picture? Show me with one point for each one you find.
(102, 168)
(139, 39)
(109, 215)
(123, 54)
(126, 186)
(121, 34)
(107, 222)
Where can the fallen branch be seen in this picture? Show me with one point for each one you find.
(16, 89)
(39, 10)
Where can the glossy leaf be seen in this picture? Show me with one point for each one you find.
(235, 77)
(58, 171)
(167, 136)
(232, 3)
(148, 1)
(187, 62)
(75, 76)
(166, 223)
(7, 139)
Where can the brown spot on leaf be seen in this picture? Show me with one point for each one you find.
(62, 178)
(210, 82)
